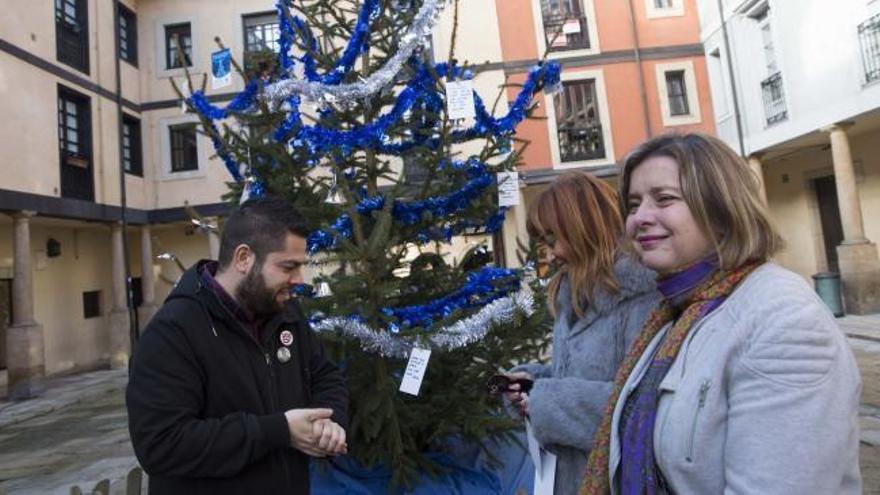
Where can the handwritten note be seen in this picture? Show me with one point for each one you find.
(460, 100)
(508, 188)
(415, 371)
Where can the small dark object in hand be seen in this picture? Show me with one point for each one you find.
(499, 384)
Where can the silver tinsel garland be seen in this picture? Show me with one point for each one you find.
(459, 334)
(321, 93)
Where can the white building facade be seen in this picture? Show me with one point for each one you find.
(796, 89)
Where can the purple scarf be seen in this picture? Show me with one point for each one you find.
(638, 473)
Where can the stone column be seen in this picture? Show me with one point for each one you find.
(120, 324)
(214, 238)
(24, 339)
(857, 256)
(758, 169)
(148, 285)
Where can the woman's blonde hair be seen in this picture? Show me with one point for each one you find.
(582, 212)
(721, 191)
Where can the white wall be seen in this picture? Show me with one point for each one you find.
(818, 53)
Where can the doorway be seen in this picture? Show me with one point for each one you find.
(829, 216)
(5, 316)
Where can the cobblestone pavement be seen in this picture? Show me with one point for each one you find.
(76, 432)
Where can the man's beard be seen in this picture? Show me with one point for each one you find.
(254, 296)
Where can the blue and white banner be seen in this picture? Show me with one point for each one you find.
(221, 68)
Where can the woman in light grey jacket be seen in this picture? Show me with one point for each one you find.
(602, 300)
(740, 381)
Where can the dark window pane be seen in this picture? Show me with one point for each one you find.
(127, 35)
(131, 146)
(178, 37)
(184, 156)
(677, 93)
(92, 304)
(72, 33)
(578, 126)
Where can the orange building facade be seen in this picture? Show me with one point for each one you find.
(632, 69)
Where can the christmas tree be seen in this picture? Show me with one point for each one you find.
(353, 122)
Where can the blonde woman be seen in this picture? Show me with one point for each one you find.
(601, 299)
(741, 380)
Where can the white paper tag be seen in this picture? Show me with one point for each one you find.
(508, 188)
(545, 464)
(184, 89)
(221, 69)
(415, 371)
(460, 100)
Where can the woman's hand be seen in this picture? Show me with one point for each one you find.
(515, 396)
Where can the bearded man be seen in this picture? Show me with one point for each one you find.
(230, 391)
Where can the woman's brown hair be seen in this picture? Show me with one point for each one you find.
(582, 212)
(721, 191)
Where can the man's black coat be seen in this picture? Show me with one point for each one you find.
(206, 401)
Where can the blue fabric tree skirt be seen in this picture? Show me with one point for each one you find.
(469, 473)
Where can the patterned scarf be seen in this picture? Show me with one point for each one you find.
(688, 296)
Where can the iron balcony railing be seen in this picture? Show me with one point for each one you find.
(774, 99)
(583, 142)
(566, 33)
(869, 38)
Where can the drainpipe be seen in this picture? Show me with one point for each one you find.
(736, 113)
(638, 55)
(123, 206)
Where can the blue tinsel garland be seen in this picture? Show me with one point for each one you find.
(479, 289)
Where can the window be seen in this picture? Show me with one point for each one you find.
(869, 38)
(261, 32)
(178, 38)
(72, 33)
(676, 91)
(184, 156)
(127, 35)
(718, 83)
(769, 50)
(772, 90)
(578, 126)
(92, 304)
(565, 25)
(132, 162)
(664, 8)
(74, 143)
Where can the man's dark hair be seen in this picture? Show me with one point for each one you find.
(262, 224)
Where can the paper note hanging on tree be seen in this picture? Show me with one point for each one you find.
(508, 188)
(415, 371)
(460, 100)
(221, 69)
(184, 90)
(545, 464)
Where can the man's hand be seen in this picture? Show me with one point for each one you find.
(301, 423)
(330, 437)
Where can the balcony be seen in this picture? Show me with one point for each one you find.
(869, 38)
(566, 33)
(774, 99)
(583, 142)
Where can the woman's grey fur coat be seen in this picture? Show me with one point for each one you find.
(568, 399)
